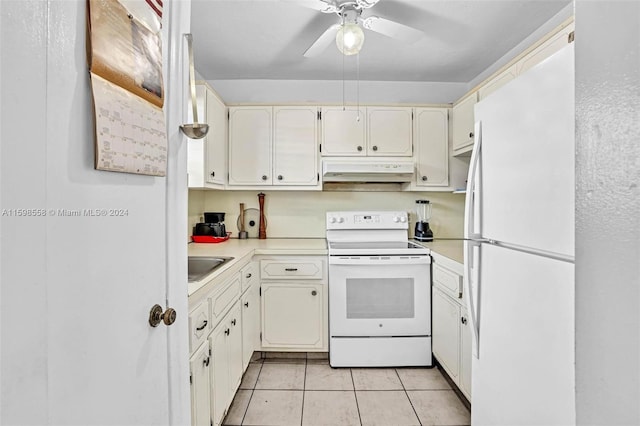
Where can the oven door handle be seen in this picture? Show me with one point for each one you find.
(379, 260)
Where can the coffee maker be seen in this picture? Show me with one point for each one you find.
(212, 226)
(423, 212)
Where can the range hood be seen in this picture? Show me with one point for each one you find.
(367, 171)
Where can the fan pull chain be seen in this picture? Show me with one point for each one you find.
(358, 85)
(343, 89)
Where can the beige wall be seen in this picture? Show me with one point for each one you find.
(301, 214)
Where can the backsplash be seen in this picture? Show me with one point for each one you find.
(301, 214)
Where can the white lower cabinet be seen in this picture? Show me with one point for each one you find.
(292, 315)
(200, 364)
(294, 307)
(231, 320)
(451, 327)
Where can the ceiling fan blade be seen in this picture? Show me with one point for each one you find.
(392, 29)
(322, 42)
(322, 6)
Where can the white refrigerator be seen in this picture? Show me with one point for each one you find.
(519, 249)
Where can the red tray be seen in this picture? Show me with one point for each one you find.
(209, 239)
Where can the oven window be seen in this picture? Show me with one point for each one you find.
(380, 298)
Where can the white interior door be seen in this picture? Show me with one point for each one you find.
(527, 182)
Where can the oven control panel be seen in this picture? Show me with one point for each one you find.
(368, 220)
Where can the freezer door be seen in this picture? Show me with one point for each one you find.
(525, 371)
(527, 158)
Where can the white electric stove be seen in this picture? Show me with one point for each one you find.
(379, 291)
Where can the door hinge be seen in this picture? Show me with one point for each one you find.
(209, 351)
(190, 378)
(319, 115)
(571, 37)
(318, 177)
(260, 290)
(228, 115)
(261, 336)
(211, 422)
(320, 147)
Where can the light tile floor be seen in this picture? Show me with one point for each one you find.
(281, 392)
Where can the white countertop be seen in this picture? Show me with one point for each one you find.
(452, 249)
(243, 250)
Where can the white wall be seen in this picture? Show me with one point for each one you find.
(302, 214)
(608, 212)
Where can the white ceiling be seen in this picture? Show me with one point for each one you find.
(266, 39)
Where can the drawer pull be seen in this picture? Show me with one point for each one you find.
(206, 362)
(226, 332)
(246, 304)
(204, 324)
(290, 269)
(313, 293)
(233, 322)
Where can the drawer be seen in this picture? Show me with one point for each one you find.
(199, 326)
(223, 299)
(248, 275)
(447, 281)
(298, 269)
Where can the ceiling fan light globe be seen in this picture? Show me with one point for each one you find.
(349, 39)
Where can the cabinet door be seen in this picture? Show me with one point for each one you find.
(389, 131)
(343, 131)
(200, 405)
(295, 157)
(462, 116)
(250, 144)
(497, 82)
(446, 332)
(292, 315)
(216, 139)
(219, 372)
(432, 145)
(250, 323)
(465, 353)
(234, 345)
(546, 49)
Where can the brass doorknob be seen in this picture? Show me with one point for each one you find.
(156, 316)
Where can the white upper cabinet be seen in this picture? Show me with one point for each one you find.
(250, 145)
(462, 116)
(207, 157)
(389, 131)
(431, 127)
(275, 146)
(374, 131)
(295, 154)
(343, 131)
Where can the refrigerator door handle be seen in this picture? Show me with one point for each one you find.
(471, 301)
(473, 238)
(472, 193)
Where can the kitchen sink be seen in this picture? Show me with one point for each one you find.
(199, 266)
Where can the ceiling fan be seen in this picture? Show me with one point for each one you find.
(348, 33)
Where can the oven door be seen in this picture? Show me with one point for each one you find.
(379, 296)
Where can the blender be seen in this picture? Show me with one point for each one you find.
(423, 211)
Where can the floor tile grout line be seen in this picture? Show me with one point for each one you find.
(304, 391)
(355, 395)
(253, 390)
(407, 394)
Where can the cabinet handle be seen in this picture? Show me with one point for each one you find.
(233, 322)
(290, 269)
(246, 304)
(206, 362)
(470, 134)
(279, 177)
(264, 177)
(463, 320)
(359, 148)
(204, 324)
(213, 174)
(247, 276)
(375, 148)
(313, 293)
(226, 332)
(424, 178)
